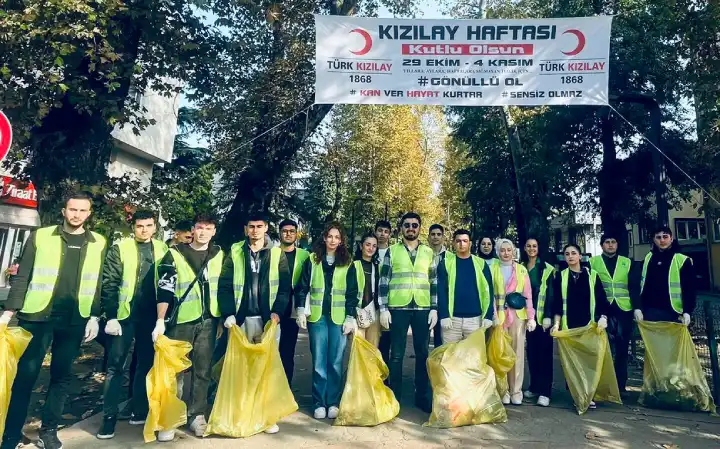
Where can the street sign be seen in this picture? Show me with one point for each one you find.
(5, 136)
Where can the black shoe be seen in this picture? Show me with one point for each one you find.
(137, 420)
(107, 430)
(126, 413)
(49, 439)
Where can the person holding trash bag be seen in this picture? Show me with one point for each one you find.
(540, 344)
(579, 296)
(330, 279)
(368, 278)
(56, 295)
(465, 291)
(513, 296)
(667, 285)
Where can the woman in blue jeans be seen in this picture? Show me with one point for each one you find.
(329, 314)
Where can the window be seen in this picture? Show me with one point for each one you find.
(716, 230)
(645, 234)
(690, 229)
(630, 238)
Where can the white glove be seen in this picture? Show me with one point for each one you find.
(113, 327)
(486, 323)
(638, 315)
(230, 322)
(385, 319)
(496, 322)
(5, 319)
(301, 319)
(432, 318)
(159, 329)
(91, 329)
(555, 328)
(547, 322)
(446, 324)
(349, 326)
(602, 323)
(686, 319)
(531, 325)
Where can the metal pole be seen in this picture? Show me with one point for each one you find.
(710, 329)
(707, 209)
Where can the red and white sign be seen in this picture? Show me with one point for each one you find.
(17, 193)
(5, 136)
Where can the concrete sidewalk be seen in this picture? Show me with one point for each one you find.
(559, 426)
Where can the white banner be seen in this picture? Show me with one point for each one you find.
(462, 62)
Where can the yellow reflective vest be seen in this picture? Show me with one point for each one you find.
(410, 281)
(129, 257)
(616, 286)
(674, 284)
(521, 274)
(192, 307)
(317, 292)
(564, 291)
(482, 285)
(237, 253)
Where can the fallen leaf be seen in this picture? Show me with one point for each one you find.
(87, 414)
(592, 436)
(39, 389)
(670, 446)
(635, 418)
(69, 416)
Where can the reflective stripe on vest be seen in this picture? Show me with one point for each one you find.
(564, 278)
(674, 284)
(238, 257)
(410, 281)
(192, 308)
(482, 285)
(46, 271)
(129, 258)
(317, 293)
(301, 256)
(616, 287)
(499, 286)
(542, 293)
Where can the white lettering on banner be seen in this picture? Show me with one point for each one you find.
(527, 62)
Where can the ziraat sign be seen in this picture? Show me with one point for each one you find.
(17, 193)
(526, 62)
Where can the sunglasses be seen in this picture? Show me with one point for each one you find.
(411, 225)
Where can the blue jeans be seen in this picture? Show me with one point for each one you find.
(327, 345)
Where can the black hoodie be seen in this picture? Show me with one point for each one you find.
(656, 294)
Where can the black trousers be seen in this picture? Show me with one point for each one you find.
(288, 341)
(620, 330)
(384, 346)
(437, 335)
(540, 361)
(401, 321)
(118, 351)
(64, 343)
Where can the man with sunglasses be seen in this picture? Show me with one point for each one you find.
(408, 298)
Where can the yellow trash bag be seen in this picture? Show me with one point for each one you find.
(13, 343)
(167, 412)
(672, 376)
(366, 401)
(501, 357)
(464, 389)
(253, 393)
(588, 366)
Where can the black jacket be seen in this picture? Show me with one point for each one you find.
(351, 291)
(144, 300)
(656, 294)
(579, 300)
(226, 294)
(19, 283)
(167, 278)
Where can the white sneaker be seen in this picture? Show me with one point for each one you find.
(543, 401)
(593, 405)
(529, 394)
(517, 399)
(199, 426)
(333, 412)
(166, 435)
(506, 399)
(320, 413)
(133, 421)
(272, 429)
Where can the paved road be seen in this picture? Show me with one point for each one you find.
(558, 426)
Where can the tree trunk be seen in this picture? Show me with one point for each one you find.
(610, 188)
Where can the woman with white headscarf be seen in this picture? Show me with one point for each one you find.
(513, 296)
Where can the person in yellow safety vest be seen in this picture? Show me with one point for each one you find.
(465, 291)
(254, 286)
(614, 273)
(539, 344)
(327, 298)
(667, 284)
(383, 230)
(367, 268)
(436, 241)
(56, 296)
(296, 258)
(408, 298)
(128, 300)
(579, 296)
(197, 315)
(511, 277)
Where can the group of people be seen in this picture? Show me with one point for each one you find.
(68, 282)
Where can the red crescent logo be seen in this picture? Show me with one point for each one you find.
(368, 42)
(5, 136)
(580, 45)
